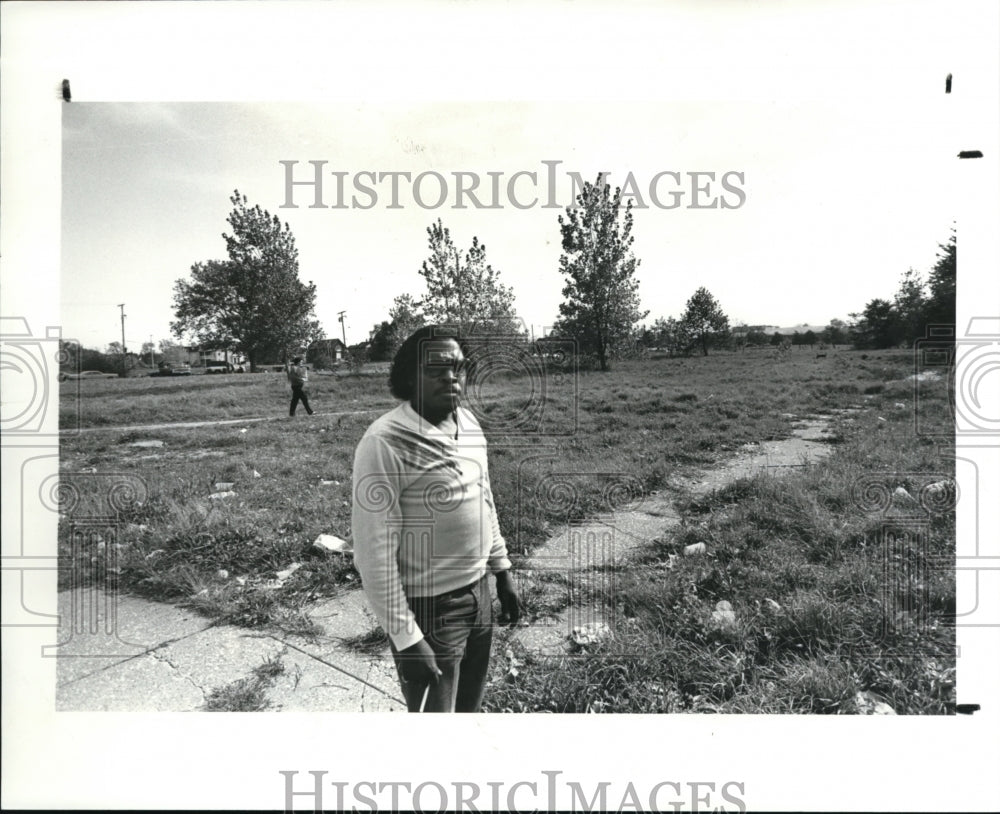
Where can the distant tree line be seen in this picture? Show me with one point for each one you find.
(254, 303)
(917, 305)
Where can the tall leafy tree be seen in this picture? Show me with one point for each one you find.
(910, 304)
(463, 289)
(405, 317)
(704, 321)
(253, 302)
(941, 284)
(836, 333)
(386, 337)
(600, 305)
(878, 326)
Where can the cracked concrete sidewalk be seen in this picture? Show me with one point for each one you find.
(123, 653)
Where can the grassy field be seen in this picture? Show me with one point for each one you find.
(800, 562)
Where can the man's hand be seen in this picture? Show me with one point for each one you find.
(510, 605)
(419, 664)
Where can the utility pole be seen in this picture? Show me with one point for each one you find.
(121, 307)
(343, 332)
(151, 363)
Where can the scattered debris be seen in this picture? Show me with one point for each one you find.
(772, 604)
(882, 420)
(868, 704)
(901, 494)
(152, 555)
(589, 634)
(328, 482)
(938, 488)
(221, 495)
(257, 474)
(926, 376)
(724, 616)
(222, 573)
(328, 543)
(899, 405)
(244, 430)
(291, 569)
(152, 443)
(224, 486)
(694, 549)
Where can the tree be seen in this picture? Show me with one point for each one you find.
(385, 338)
(910, 305)
(601, 295)
(380, 342)
(877, 326)
(836, 333)
(464, 291)
(172, 352)
(405, 316)
(940, 305)
(253, 302)
(809, 338)
(674, 336)
(704, 320)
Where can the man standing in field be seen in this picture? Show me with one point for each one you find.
(425, 529)
(298, 377)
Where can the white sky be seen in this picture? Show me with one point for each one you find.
(842, 196)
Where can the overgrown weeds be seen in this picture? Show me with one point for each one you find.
(800, 561)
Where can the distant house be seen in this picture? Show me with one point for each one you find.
(332, 348)
(198, 357)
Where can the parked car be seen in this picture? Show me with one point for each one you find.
(87, 374)
(169, 369)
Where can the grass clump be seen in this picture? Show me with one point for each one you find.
(246, 694)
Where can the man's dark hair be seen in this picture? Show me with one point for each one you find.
(403, 372)
(296, 360)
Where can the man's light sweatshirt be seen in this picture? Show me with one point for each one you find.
(423, 518)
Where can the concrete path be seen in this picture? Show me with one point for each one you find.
(185, 425)
(124, 653)
(575, 572)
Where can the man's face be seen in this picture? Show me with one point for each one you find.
(440, 376)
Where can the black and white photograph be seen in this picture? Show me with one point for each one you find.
(623, 378)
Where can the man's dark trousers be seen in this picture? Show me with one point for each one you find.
(459, 628)
(299, 394)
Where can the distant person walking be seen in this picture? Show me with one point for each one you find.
(298, 377)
